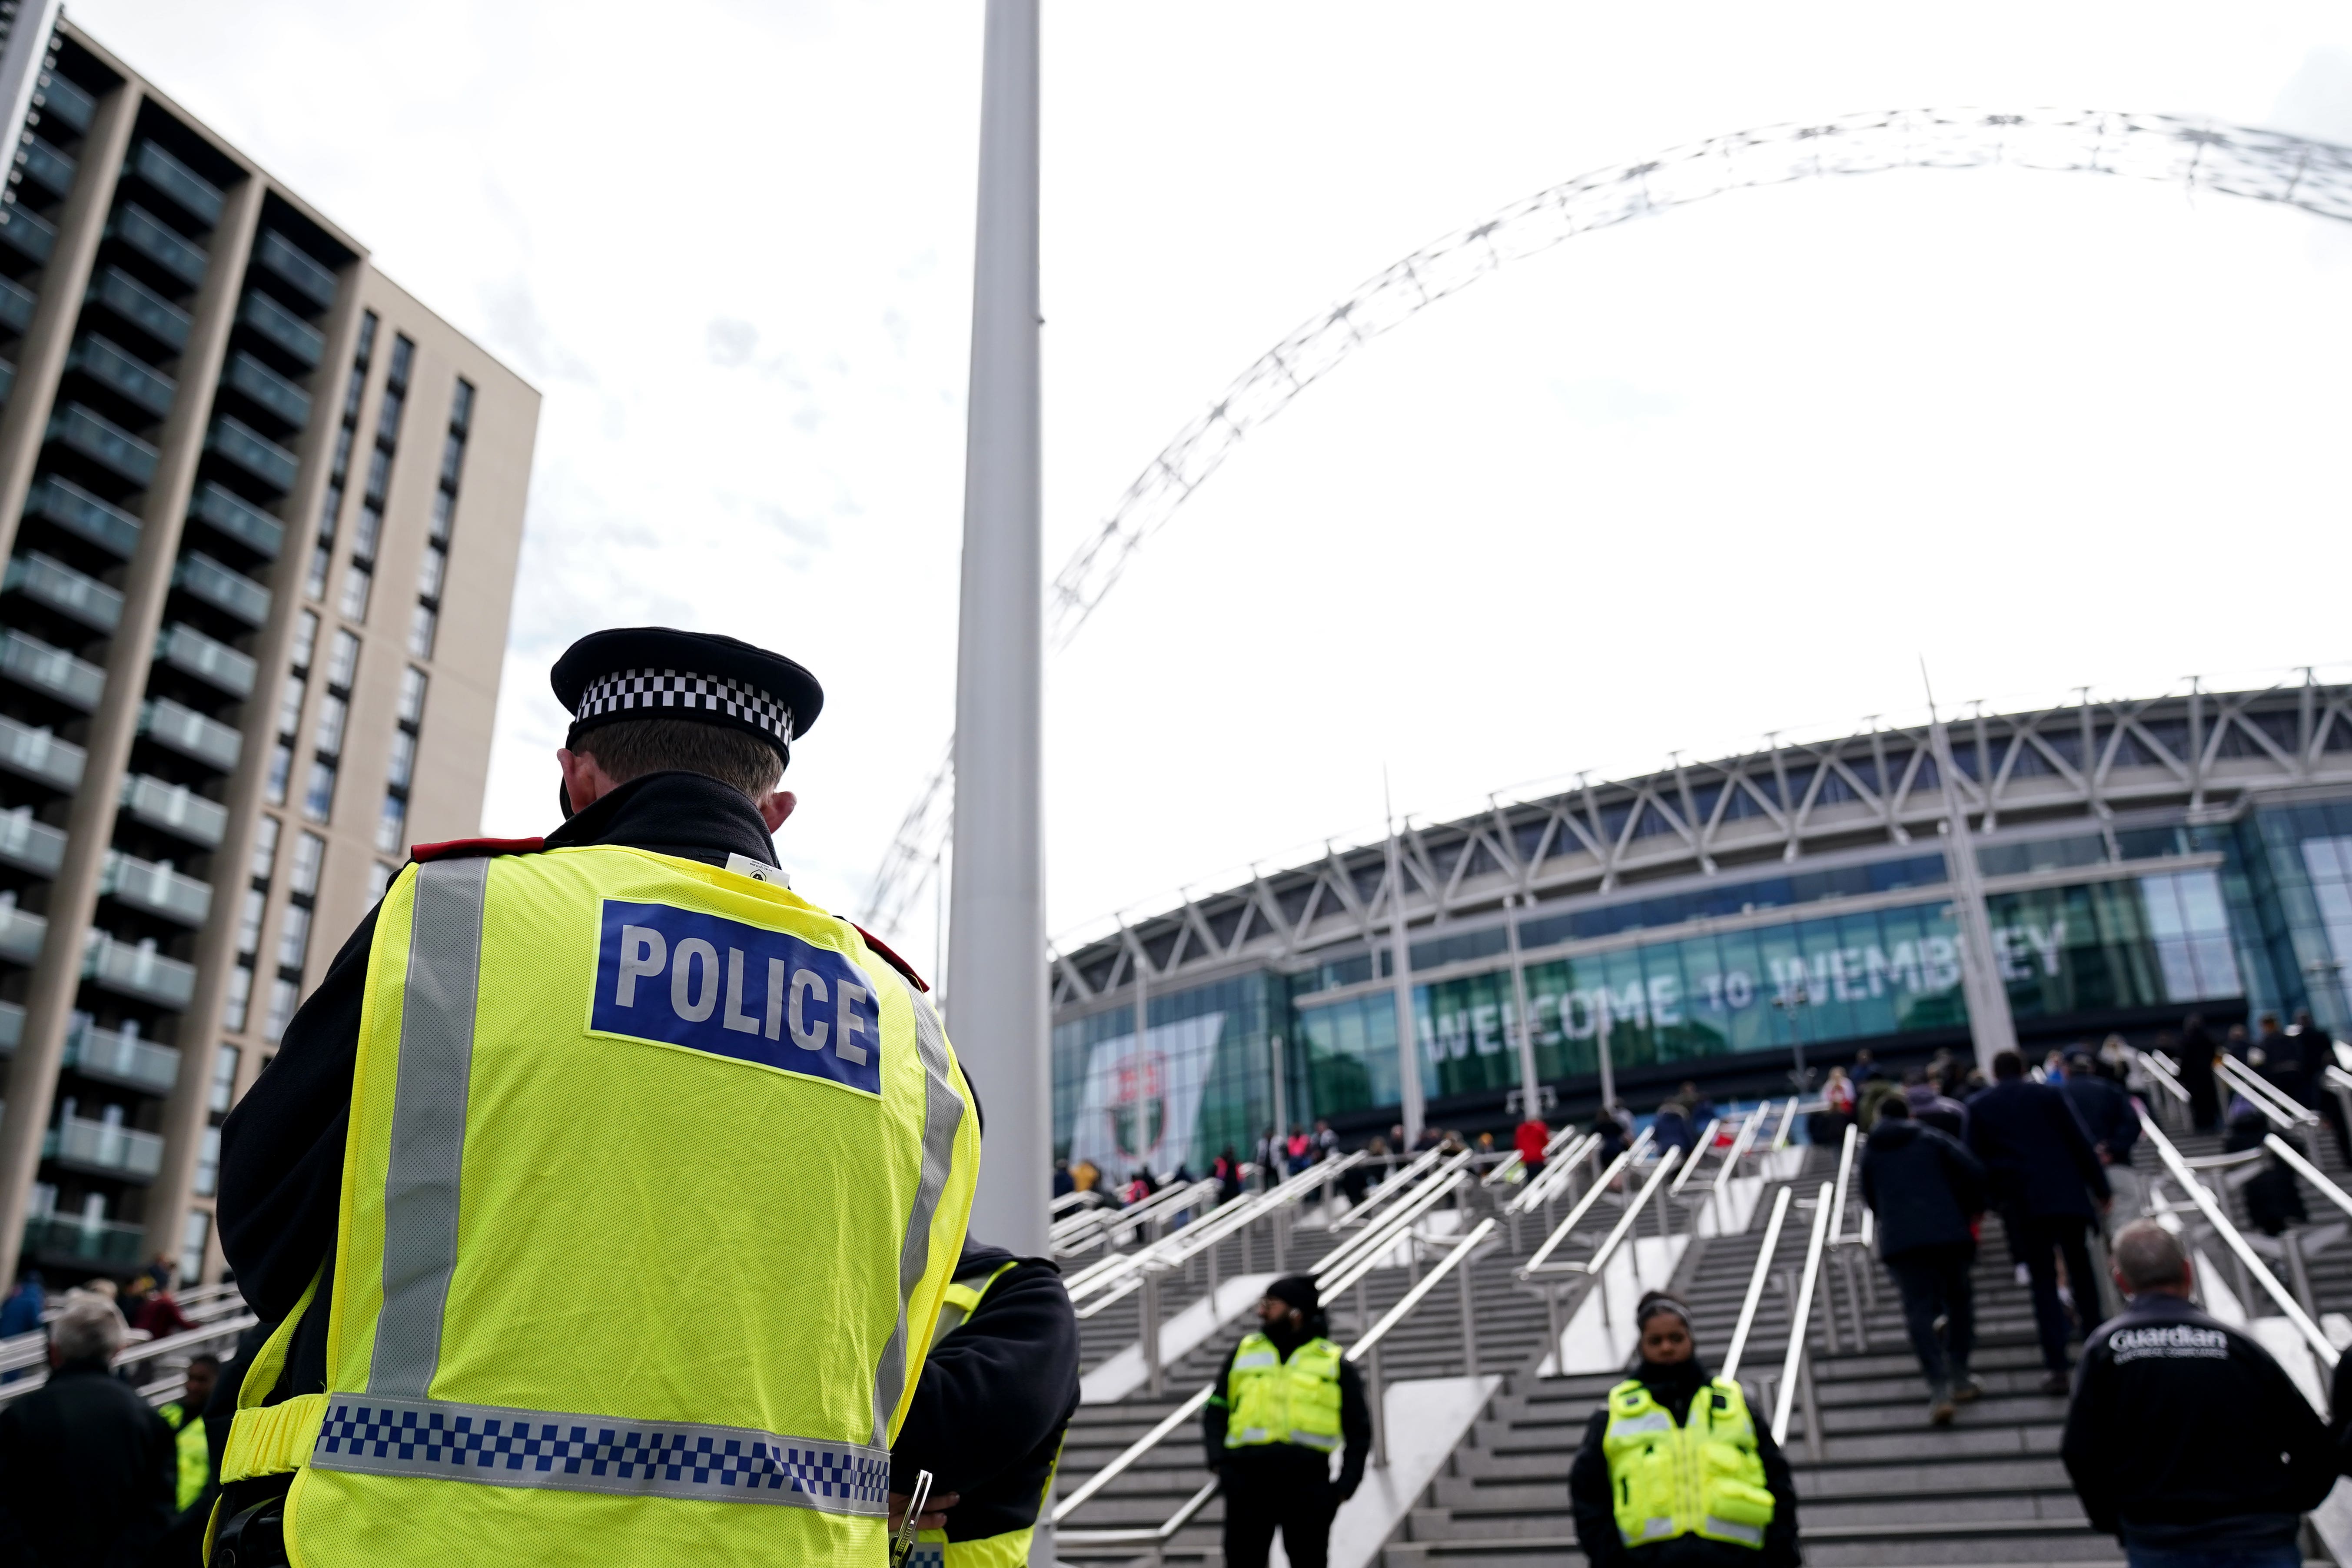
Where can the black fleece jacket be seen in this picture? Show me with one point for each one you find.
(281, 1162)
(1355, 1424)
(1594, 1510)
(994, 1397)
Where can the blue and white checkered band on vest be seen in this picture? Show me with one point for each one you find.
(651, 692)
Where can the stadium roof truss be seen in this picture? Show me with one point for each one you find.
(2086, 761)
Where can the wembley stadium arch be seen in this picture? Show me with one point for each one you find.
(2139, 861)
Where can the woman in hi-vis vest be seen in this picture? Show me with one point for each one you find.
(1675, 1471)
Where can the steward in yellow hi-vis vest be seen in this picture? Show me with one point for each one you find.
(652, 1178)
(989, 1413)
(1674, 1470)
(1285, 1401)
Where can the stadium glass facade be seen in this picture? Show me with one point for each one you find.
(2122, 925)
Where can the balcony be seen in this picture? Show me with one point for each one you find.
(111, 1056)
(40, 755)
(85, 1241)
(158, 890)
(27, 233)
(103, 1149)
(190, 734)
(64, 590)
(58, 98)
(12, 1028)
(239, 518)
(290, 264)
(45, 166)
(250, 450)
(80, 513)
(190, 191)
(141, 307)
(280, 327)
(267, 387)
(122, 372)
(140, 972)
(21, 931)
(51, 671)
(105, 442)
(159, 243)
(233, 592)
(217, 663)
(31, 845)
(175, 809)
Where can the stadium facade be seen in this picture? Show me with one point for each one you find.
(2138, 860)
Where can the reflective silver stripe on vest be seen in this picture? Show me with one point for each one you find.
(428, 1123)
(549, 1450)
(1656, 1421)
(1255, 1360)
(942, 1115)
(1326, 1441)
(1748, 1534)
(1650, 1527)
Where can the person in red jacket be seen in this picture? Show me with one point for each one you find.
(1532, 1137)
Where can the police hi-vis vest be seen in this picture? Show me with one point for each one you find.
(1278, 1401)
(1702, 1478)
(1011, 1549)
(656, 1175)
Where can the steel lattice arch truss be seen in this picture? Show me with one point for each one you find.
(2092, 764)
(2198, 155)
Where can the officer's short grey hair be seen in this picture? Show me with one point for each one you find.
(2148, 1256)
(89, 1326)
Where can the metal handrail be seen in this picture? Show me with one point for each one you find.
(1801, 1319)
(1113, 1280)
(2308, 1172)
(1698, 1153)
(2247, 1258)
(1617, 1233)
(2265, 1096)
(1845, 1172)
(2163, 1074)
(1343, 1266)
(1556, 1175)
(1755, 1284)
(1094, 1275)
(1551, 1147)
(1391, 1185)
(1138, 1536)
(1388, 1319)
(145, 1350)
(1593, 1196)
(1788, 1123)
(1739, 1146)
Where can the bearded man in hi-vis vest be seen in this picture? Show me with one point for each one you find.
(604, 1193)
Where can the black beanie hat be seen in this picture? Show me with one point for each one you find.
(1297, 1290)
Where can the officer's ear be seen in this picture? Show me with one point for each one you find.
(776, 807)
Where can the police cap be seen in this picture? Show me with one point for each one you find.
(655, 672)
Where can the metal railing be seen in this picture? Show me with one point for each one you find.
(1115, 1279)
(1748, 1303)
(2274, 1102)
(1554, 1178)
(1514, 1159)
(1392, 1183)
(1559, 1233)
(1796, 1366)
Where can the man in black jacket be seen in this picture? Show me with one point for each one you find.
(1271, 1484)
(2049, 1185)
(2185, 1439)
(1925, 1189)
(996, 1394)
(86, 1472)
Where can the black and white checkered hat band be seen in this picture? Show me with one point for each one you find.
(647, 693)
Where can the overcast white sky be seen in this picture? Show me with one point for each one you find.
(1732, 469)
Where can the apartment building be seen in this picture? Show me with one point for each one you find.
(260, 511)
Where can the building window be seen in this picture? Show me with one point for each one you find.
(403, 760)
(290, 704)
(411, 697)
(195, 1236)
(294, 940)
(283, 996)
(380, 877)
(248, 922)
(433, 571)
(390, 823)
(265, 847)
(322, 553)
(421, 627)
(333, 712)
(223, 1080)
(306, 640)
(208, 1163)
(343, 662)
(282, 764)
(239, 999)
(358, 580)
(318, 799)
(309, 854)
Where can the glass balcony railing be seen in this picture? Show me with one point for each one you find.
(278, 325)
(122, 372)
(85, 1240)
(39, 755)
(183, 648)
(158, 890)
(292, 264)
(199, 196)
(58, 98)
(175, 809)
(27, 233)
(79, 512)
(140, 973)
(265, 386)
(45, 166)
(21, 931)
(158, 242)
(12, 1026)
(256, 454)
(239, 518)
(111, 1056)
(104, 1149)
(104, 442)
(29, 844)
(64, 590)
(51, 671)
(141, 307)
(15, 305)
(190, 734)
(233, 593)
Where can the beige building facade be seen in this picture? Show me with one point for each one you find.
(260, 511)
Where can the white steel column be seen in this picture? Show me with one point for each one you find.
(1988, 1018)
(996, 949)
(1530, 1088)
(1408, 1042)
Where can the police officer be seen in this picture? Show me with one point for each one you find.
(606, 1192)
(990, 1410)
(1674, 1471)
(1284, 1401)
(2185, 1440)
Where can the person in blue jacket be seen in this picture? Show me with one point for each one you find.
(1926, 1190)
(2045, 1178)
